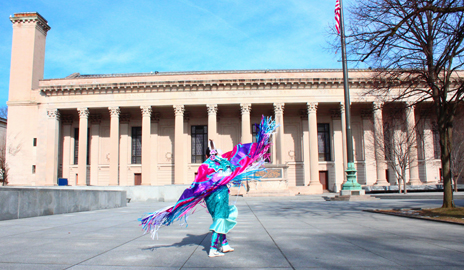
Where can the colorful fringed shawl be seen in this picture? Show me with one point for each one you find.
(233, 167)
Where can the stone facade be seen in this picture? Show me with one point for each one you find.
(142, 129)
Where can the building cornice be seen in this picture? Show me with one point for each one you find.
(31, 17)
(201, 85)
(204, 72)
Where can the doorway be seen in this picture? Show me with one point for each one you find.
(324, 179)
(137, 179)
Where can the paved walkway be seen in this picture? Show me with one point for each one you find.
(303, 232)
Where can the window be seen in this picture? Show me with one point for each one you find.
(34, 142)
(254, 132)
(136, 145)
(323, 141)
(76, 146)
(33, 169)
(199, 143)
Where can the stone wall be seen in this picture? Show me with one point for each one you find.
(26, 202)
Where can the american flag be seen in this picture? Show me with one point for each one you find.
(337, 16)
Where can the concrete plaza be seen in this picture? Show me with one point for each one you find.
(302, 232)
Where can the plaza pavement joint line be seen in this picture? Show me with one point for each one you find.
(105, 251)
(53, 227)
(291, 265)
(341, 238)
(194, 251)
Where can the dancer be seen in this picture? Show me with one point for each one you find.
(210, 185)
(224, 216)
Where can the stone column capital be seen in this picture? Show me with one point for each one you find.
(53, 113)
(178, 110)
(342, 107)
(114, 111)
(312, 107)
(245, 107)
(410, 104)
(377, 105)
(146, 111)
(83, 112)
(212, 108)
(279, 108)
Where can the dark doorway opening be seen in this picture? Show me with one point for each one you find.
(324, 179)
(137, 179)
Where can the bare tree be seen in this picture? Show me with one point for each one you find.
(415, 49)
(398, 143)
(3, 165)
(4, 112)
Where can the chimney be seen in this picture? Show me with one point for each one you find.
(27, 54)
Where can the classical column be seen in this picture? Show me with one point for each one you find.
(66, 122)
(82, 148)
(179, 144)
(53, 128)
(279, 118)
(379, 145)
(431, 169)
(338, 149)
(345, 151)
(146, 148)
(155, 118)
(246, 125)
(313, 146)
(369, 147)
(212, 121)
(114, 146)
(413, 155)
(187, 147)
(305, 146)
(95, 120)
(124, 149)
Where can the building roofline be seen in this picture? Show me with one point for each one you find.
(158, 73)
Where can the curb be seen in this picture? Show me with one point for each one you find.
(413, 217)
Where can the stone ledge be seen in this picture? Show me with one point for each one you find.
(269, 193)
(24, 202)
(424, 187)
(352, 198)
(410, 216)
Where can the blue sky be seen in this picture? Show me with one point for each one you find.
(102, 36)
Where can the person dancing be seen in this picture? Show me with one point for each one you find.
(210, 186)
(224, 215)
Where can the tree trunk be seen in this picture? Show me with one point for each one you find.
(404, 186)
(445, 143)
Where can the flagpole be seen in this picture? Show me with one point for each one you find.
(351, 183)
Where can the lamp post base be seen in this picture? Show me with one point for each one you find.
(351, 183)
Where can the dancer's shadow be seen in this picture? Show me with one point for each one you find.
(189, 240)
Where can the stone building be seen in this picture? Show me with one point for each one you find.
(151, 128)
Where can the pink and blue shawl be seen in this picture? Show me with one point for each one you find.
(242, 163)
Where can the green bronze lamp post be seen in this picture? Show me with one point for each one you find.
(351, 183)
